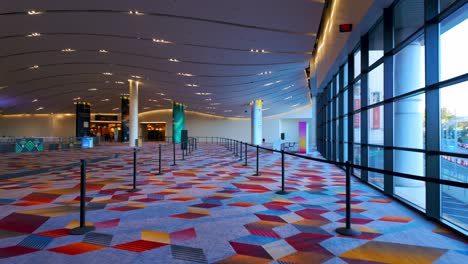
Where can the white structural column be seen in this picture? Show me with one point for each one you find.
(133, 118)
(256, 122)
(408, 123)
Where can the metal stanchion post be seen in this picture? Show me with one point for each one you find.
(348, 231)
(159, 165)
(236, 147)
(82, 229)
(282, 174)
(134, 171)
(245, 154)
(257, 173)
(182, 147)
(173, 154)
(240, 152)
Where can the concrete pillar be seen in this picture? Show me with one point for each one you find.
(256, 122)
(408, 127)
(133, 120)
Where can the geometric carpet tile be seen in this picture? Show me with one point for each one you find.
(396, 219)
(300, 257)
(34, 241)
(242, 259)
(250, 250)
(15, 251)
(258, 231)
(256, 240)
(77, 248)
(7, 233)
(309, 242)
(98, 239)
(188, 254)
(22, 223)
(139, 245)
(55, 233)
(394, 253)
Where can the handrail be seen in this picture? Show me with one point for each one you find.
(390, 173)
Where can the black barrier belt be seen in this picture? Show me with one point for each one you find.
(391, 173)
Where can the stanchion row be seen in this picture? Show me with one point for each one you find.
(234, 146)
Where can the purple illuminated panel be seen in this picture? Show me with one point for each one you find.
(303, 137)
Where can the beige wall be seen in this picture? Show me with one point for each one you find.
(198, 124)
(45, 125)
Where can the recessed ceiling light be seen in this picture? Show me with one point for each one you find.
(34, 67)
(191, 85)
(174, 60)
(135, 12)
(92, 89)
(115, 109)
(215, 103)
(265, 73)
(161, 94)
(287, 87)
(258, 51)
(294, 105)
(227, 111)
(105, 100)
(34, 12)
(34, 34)
(136, 76)
(287, 98)
(264, 109)
(76, 98)
(161, 41)
(35, 100)
(152, 100)
(107, 73)
(39, 108)
(208, 99)
(185, 74)
(202, 93)
(68, 50)
(3, 87)
(103, 51)
(158, 105)
(124, 94)
(210, 107)
(167, 99)
(119, 82)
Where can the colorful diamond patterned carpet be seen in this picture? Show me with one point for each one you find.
(207, 208)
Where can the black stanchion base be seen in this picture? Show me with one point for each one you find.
(162, 173)
(82, 230)
(134, 190)
(282, 192)
(347, 231)
(174, 164)
(255, 174)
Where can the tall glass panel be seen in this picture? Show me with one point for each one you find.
(357, 63)
(408, 18)
(410, 190)
(345, 139)
(453, 44)
(375, 85)
(345, 75)
(409, 69)
(357, 96)
(357, 158)
(376, 47)
(409, 123)
(376, 160)
(454, 138)
(376, 125)
(454, 118)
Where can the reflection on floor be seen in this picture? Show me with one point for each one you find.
(206, 209)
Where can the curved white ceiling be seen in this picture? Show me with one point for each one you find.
(110, 43)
